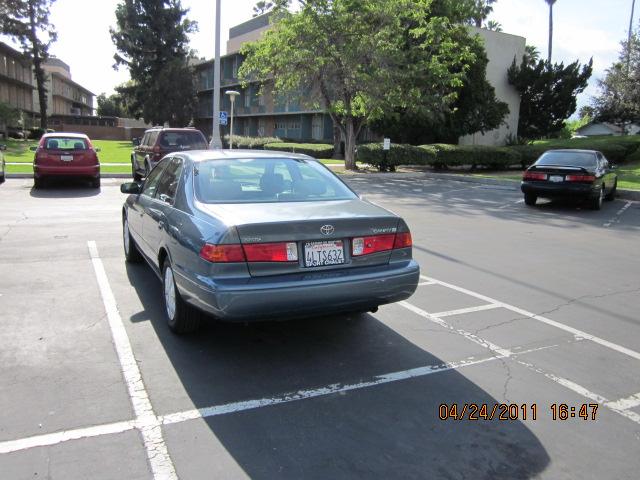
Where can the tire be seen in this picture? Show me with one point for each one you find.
(596, 202)
(131, 252)
(181, 317)
(38, 182)
(530, 199)
(612, 194)
(136, 176)
(95, 183)
(2, 179)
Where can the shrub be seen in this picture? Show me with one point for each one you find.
(615, 152)
(475, 156)
(317, 150)
(399, 154)
(36, 133)
(253, 143)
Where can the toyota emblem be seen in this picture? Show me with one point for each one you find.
(327, 229)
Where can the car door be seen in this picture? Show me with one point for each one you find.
(609, 174)
(157, 212)
(138, 155)
(142, 205)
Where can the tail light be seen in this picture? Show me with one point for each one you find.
(271, 252)
(580, 178)
(534, 176)
(222, 253)
(379, 243)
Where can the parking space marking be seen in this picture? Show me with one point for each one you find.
(422, 284)
(627, 403)
(462, 311)
(616, 217)
(146, 421)
(574, 331)
(64, 436)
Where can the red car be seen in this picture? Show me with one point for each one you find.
(62, 154)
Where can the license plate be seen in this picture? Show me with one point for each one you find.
(556, 178)
(66, 158)
(319, 254)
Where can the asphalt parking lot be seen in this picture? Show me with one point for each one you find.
(532, 307)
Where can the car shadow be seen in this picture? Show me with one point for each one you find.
(390, 430)
(65, 188)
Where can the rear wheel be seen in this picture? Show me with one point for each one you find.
(38, 182)
(182, 318)
(612, 194)
(596, 202)
(131, 252)
(530, 199)
(95, 183)
(136, 176)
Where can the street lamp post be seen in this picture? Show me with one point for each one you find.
(216, 141)
(232, 96)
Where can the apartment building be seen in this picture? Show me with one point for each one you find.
(16, 83)
(295, 118)
(64, 96)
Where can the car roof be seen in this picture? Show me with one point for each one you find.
(173, 129)
(203, 155)
(65, 134)
(572, 150)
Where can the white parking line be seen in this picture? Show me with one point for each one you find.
(462, 311)
(616, 217)
(553, 323)
(146, 420)
(627, 403)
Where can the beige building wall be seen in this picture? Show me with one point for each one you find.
(234, 44)
(15, 80)
(501, 49)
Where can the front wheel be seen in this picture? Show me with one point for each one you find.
(612, 194)
(530, 199)
(596, 202)
(131, 252)
(182, 318)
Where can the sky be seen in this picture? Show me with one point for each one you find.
(582, 29)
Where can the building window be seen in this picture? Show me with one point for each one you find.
(247, 98)
(316, 127)
(280, 125)
(234, 72)
(294, 124)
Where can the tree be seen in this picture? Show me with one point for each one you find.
(495, 26)
(27, 22)
(355, 54)
(261, 8)
(114, 105)
(587, 111)
(480, 10)
(547, 94)
(619, 98)
(8, 115)
(476, 109)
(550, 3)
(531, 54)
(151, 38)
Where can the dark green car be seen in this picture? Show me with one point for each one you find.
(582, 174)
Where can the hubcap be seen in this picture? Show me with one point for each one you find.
(125, 234)
(601, 197)
(169, 293)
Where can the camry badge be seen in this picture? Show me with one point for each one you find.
(327, 229)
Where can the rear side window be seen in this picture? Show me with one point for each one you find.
(151, 139)
(568, 159)
(192, 140)
(168, 184)
(65, 143)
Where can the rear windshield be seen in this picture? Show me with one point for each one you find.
(568, 159)
(266, 180)
(65, 143)
(183, 141)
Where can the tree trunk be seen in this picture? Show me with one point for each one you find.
(350, 145)
(550, 30)
(337, 153)
(37, 66)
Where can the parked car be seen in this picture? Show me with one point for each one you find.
(63, 154)
(582, 174)
(3, 165)
(157, 142)
(252, 235)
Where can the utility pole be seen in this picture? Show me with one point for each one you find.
(633, 7)
(216, 141)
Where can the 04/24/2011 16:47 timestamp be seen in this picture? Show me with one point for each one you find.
(514, 411)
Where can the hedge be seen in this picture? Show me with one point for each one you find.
(317, 150)
(373, 154)
(475, 156)
(255, 143)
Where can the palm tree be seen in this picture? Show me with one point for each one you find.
(550, 2)
(493, 25)
(633, 7)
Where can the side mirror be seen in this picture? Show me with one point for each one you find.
(131, 188)
(135, 141)
(33, 149)
(3, 147)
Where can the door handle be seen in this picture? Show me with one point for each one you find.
(160, 225)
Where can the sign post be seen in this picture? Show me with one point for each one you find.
(386, 146)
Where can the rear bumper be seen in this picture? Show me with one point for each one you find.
(298, 295)
(559, 190)
(40, 171)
